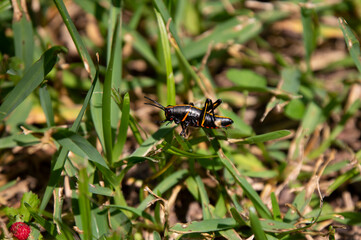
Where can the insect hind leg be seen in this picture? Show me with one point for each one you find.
(208, 107)
(213, 106)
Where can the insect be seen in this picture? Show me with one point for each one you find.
(190, 116)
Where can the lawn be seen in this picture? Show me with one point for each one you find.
(111, 125)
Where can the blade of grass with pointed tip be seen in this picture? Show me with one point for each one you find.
(122, 134)
(276, 208)
(167, 59)
(266, 137)
(352, 43)
(80, 46)
(23, 34)
(33, 77)
(114, 57)
(309, 33)
(45, 102)
(107, 99)
(166, 16)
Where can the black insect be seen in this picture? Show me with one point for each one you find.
(190, 116)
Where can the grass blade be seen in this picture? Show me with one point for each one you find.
(256, 225)
(33, 77)
(167, 60)
(45, 102)
(84, 204)
(58, 166)
(23, 34)
(107, 99)
(88, 62)
(352, 43)
(122, 134)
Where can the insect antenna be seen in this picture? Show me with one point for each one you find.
(155, 103)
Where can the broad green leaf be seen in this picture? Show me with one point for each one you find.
(247, 80)
(295, 109)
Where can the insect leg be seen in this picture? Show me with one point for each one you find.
(184, 125)
(207, 105)
(214, 105)
(217, 103)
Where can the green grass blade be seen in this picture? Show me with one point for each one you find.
(23, 34)
(209, 225)
(107, 99)
(222, 33)
(165, 15)
(276, 208)
(353, 109)
(79, 146)
(58, 166)
(84, 204)
(122, 134)
(247, 79)
(265, 137)
(352, 43)
(114, 50)
(230, 234)
(45, 102)
(256, 225)
(236, 216)
(341, 180)
(248, 190)
(147, 145)
(88, 62)
(309, 33)
(167, 60)
(135, 211)
(204, 200)
(33, 77)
